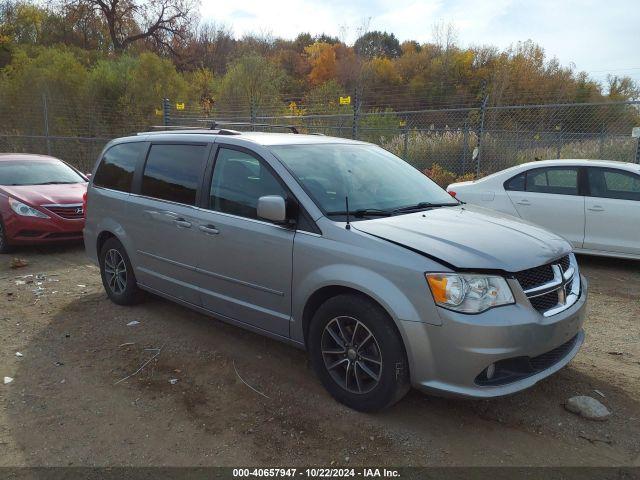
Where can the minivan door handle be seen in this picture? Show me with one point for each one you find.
(596, 208)
(209, 229)
(523, 202)
(182, 223)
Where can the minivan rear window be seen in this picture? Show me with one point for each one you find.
(172, 172)
(117, 166)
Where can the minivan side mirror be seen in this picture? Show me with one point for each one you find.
(272, 208)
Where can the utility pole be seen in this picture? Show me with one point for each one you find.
(166, 112)
(465, 146)
(252, 114)
(45, 111)
(356, 114)
(405, 133)
(483, 109)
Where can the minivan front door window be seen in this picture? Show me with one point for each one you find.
(239, 180)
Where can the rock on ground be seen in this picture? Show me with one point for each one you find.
(587, 407)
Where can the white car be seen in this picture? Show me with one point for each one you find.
(595, 204)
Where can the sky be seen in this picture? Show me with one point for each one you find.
(599, 37)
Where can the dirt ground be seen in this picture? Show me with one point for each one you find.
(65, 407)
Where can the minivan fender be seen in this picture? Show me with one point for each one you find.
(343, 276)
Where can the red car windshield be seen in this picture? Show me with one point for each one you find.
(37, 173)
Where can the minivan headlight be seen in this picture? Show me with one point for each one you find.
(469, 293)
(25, 210)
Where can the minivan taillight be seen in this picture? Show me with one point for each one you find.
(452, 193)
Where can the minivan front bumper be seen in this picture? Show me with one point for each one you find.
(451, 359)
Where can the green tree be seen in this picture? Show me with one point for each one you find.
(53, 72)
(251, 82)
(378, 44)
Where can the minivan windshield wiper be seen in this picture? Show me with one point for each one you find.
(364, 212)
(377, 212)
(420, 206)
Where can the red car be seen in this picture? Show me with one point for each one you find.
(41, 200)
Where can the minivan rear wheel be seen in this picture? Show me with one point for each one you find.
(357, 353)
(117, 274)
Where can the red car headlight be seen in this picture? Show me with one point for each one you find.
(25, 210)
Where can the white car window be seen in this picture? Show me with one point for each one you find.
(607, 183)
(516, 184)
(561, 181)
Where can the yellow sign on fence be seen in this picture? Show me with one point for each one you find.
(345, 100)
(158, 112)
(179, 106)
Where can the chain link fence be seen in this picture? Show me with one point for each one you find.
(461, 142)
(75, 132)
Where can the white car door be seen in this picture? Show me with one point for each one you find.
(612, 211)
(550, 197)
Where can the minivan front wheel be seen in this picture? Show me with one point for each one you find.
(117, 274)
(357, 353)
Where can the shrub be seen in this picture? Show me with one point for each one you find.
(440, 175)
(427, 147)
(469, 176)
(451, 151)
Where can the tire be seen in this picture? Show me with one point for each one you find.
(4, 243)
(121, 286)
(367, 377)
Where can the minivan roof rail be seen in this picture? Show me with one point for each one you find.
(189, 129)
(214, 127)
(215, 124)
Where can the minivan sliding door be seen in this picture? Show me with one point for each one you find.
(164, 222)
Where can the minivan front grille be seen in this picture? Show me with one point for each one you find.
(545, 302)
(565, 262)
(553, 287)
(534, 276)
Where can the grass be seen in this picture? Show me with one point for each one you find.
(453, 150)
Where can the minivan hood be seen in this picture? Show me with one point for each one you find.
(470, 237)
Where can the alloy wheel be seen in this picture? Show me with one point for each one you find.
(115, 270)
(351, 354)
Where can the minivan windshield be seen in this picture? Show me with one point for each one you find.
(35, 172)
(376, 182)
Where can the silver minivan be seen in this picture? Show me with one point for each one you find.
(340, 248)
